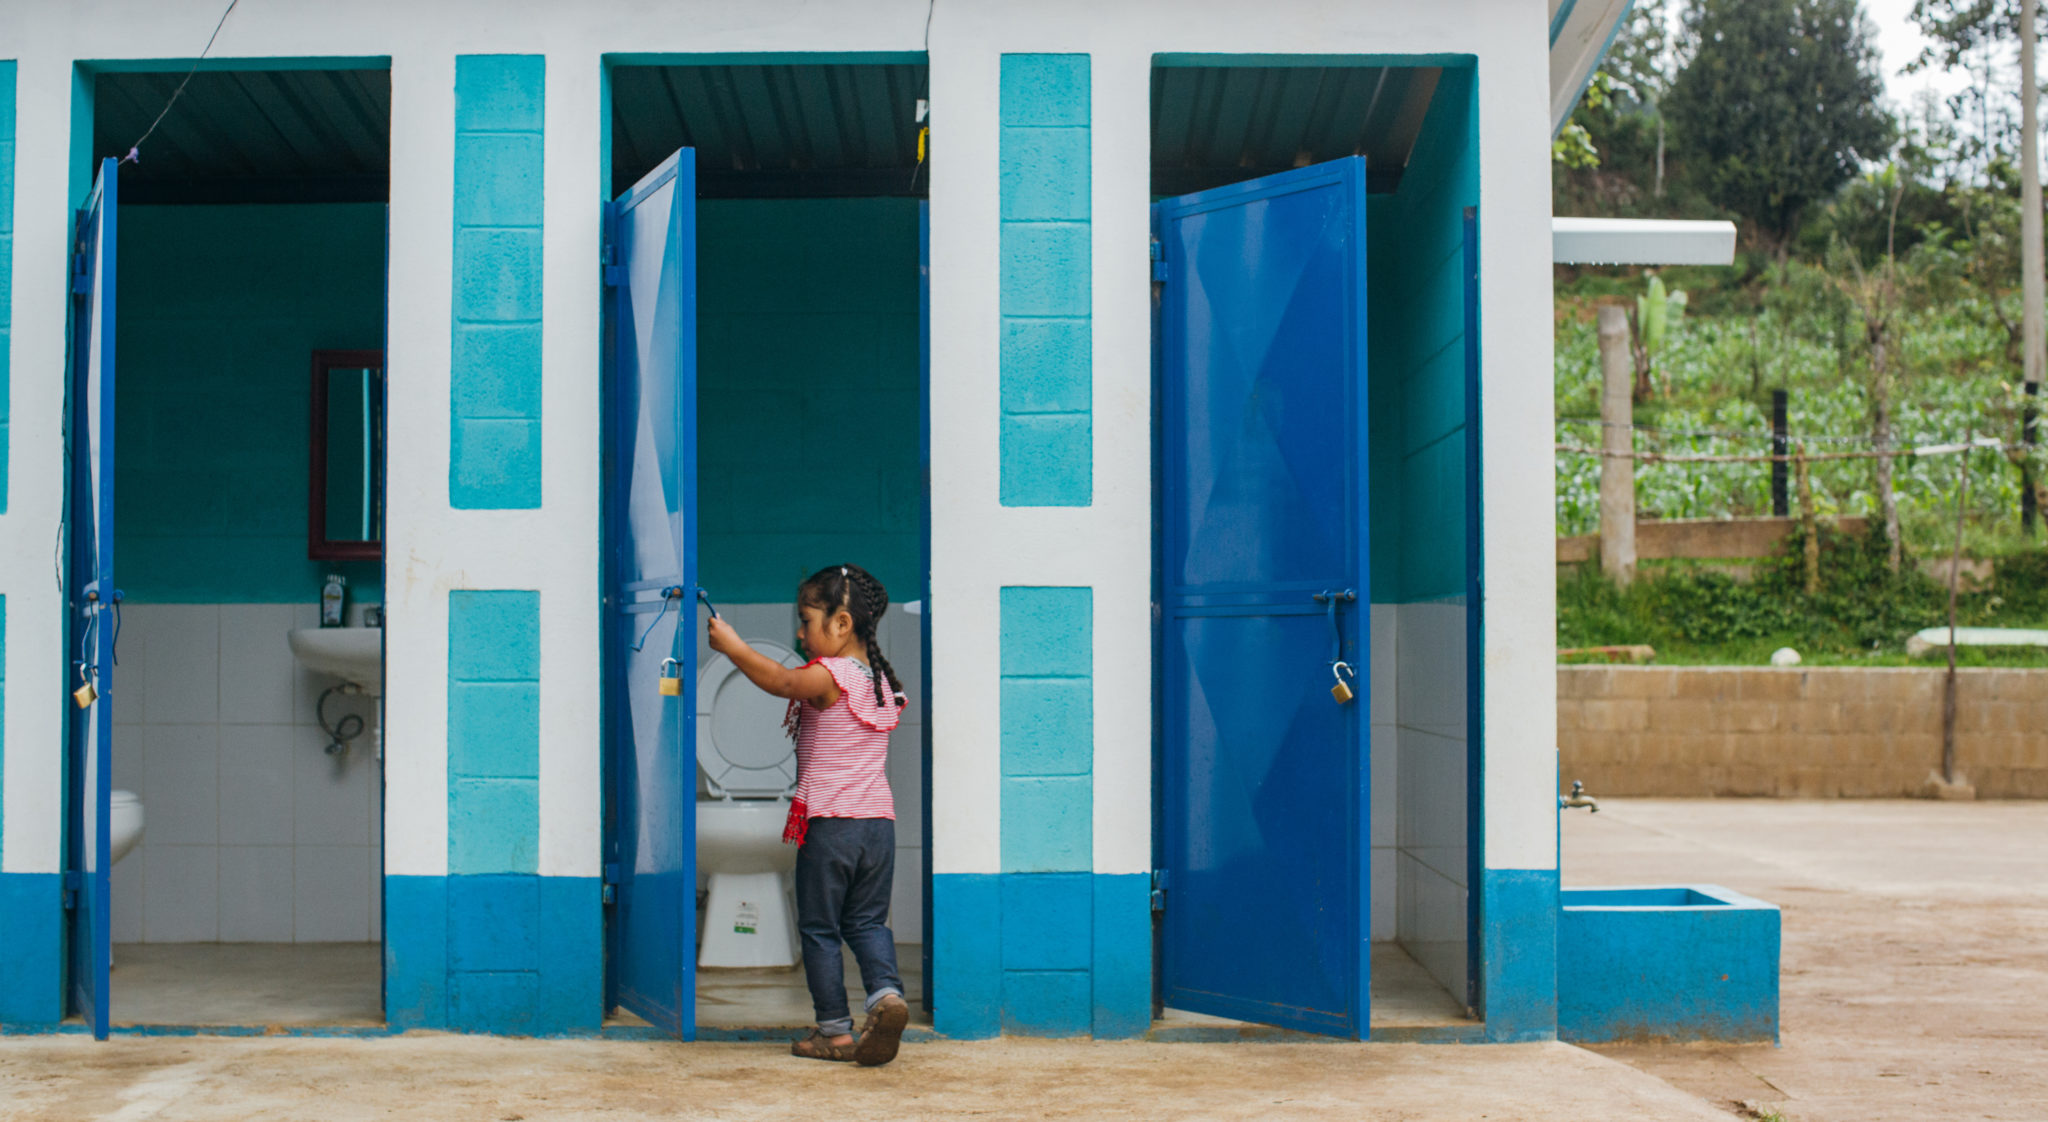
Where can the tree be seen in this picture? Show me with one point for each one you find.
(1778, 104)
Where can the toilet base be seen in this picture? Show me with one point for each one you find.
(749, 921)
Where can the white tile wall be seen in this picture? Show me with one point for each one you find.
(1426, 651)
(252, 833)
(1385, 748)
(901, 639)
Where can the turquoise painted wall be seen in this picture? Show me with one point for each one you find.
(807, 394)
(1416, 347)
(221, 309)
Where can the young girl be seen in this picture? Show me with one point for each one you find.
(842, 705)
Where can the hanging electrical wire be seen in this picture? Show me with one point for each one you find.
(924, 105)
(134, 155)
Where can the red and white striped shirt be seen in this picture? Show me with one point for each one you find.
(842, 753)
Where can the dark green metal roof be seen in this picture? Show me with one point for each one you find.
(1213, 125)
(772, 130)
(241, 136)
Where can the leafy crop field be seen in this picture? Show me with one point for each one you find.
(1712, 395)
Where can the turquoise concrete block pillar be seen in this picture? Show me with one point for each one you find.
(493, 946)
(495, 368)
(1047, 284)
(1046, 947)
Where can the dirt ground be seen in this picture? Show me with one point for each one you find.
(438, 1077)
(1915, 964)
(1915, 973)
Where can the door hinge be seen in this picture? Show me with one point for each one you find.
(1158, 262)
(72, 883)
(81, 277)
(611, 883)
(1159, 878)
(610, 258)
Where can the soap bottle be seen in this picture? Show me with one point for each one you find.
(333, 600)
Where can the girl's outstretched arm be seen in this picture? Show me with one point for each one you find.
(805, 683)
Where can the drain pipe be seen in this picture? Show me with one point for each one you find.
(344, 730)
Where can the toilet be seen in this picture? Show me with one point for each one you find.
(748, 766)
(124, 824)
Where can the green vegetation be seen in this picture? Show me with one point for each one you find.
(1877, 284)
(1696, 615)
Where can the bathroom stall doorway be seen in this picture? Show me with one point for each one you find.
(227, 447)
(1312, 822)
(769, 312)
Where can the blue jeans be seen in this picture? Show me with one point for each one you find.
(844, 874)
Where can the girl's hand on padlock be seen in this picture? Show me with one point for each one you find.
(723, 638)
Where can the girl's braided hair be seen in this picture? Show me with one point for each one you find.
(857, 592)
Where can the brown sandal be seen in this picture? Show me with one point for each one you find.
(818, 1046)
(883, 1032)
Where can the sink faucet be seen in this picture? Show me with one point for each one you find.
(1578, 798)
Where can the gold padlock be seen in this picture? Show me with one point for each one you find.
(1341, 691)
(671, 678)
(85, 694)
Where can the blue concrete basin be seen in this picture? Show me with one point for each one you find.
(1666, 962)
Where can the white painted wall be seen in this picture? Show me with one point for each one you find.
(978, 545)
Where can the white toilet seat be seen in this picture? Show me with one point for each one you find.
(741, 746)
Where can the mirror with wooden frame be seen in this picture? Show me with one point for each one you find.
(346, 496)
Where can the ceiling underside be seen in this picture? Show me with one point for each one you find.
(249, 136)
(761, 131)
(772, 131)
(1213, 125)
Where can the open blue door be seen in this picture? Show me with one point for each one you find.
(651, 596)
(92, 600)
(1263, 585)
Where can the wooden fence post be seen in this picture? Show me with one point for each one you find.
(1617, 445)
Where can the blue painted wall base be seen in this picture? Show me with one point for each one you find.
(31, 950)
(1518, 963)
(515, 955)
(1041, 954)
(1694, 962)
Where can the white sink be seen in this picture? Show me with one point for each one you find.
(355, 654)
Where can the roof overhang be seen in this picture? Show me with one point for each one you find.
(1580, 33)
(1640, 241)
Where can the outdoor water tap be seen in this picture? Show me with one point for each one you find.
(1578, 798)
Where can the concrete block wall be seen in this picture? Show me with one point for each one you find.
(531, 525)
(1693, 731)
(1046, 299)
(495, 372)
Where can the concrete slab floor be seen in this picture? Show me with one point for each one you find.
(1404, 995)
(247, 984)
(781, 998)
(433, 1076)
(1914, 970)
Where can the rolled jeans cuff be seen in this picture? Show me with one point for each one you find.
(877, 996)
(840, 1027)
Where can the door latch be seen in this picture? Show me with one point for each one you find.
(1159, 879)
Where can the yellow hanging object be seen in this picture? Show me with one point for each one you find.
(924, 135)
(85, 694)
(671, 678)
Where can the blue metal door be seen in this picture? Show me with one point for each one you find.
(93, 601)
(651, 596)
(1263, 528)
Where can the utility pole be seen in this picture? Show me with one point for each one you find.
(2034, 350)
(1617, 447)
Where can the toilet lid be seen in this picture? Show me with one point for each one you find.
(741, 746)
